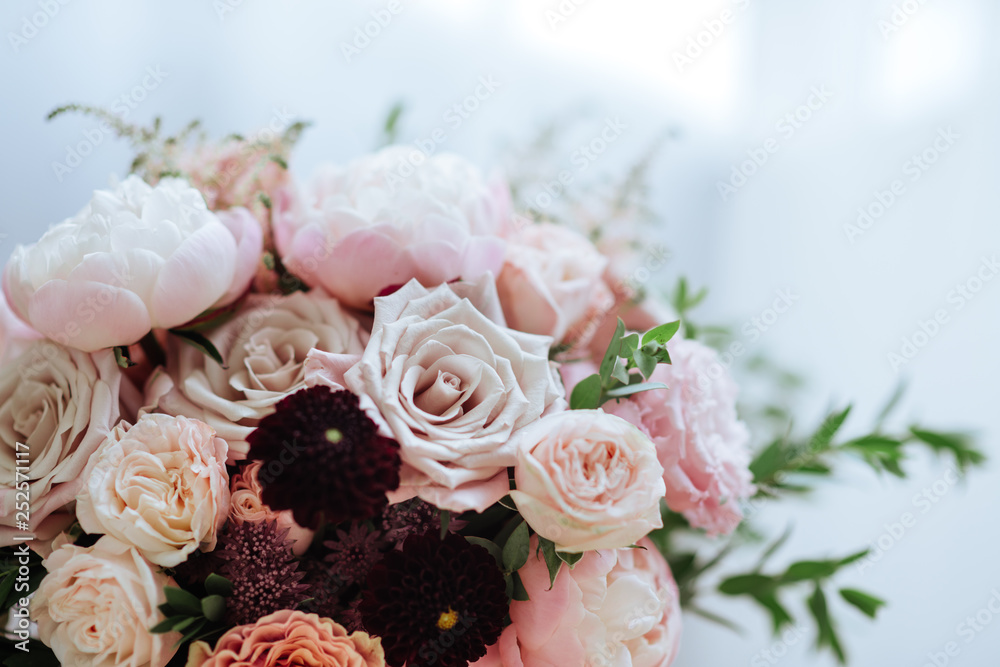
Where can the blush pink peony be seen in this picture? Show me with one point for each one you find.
(614, 608)
(700, 442)
(391, 217)
(134, 259)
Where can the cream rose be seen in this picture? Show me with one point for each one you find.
(265, 348)
(453, 386)
(95, 606)
(552, 283)
(160, 486)
(134, 259)
(588, 480)
(286, 638)
(56, 406)
(246, 505)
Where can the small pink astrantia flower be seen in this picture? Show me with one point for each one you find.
(701, 443)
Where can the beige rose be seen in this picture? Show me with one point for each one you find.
(588, 480)
(95, 606)
(246, 505)
(265, 348)
(454, 386)
(286, 638)
(160, 486)
(56, 406)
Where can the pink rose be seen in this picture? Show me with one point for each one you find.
(700, 442)
(268, 349)
(588, 480)
(56, 406)
(552, 283)
(454, 387)
(287, 638)
(96, 605)
(391, 217)
(134, 259)
(246, 505)
(615, 608)
(160, 486)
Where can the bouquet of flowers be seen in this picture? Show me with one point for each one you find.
(381, 418)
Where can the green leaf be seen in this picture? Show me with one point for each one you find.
(182, 602)
(216, 584)
(586, 394)
(620, 371)
(827, 633)
(644, 362)
(824, 435)
(662, 333)
(520, 592)
(445, 518)
(192, 632)
(390, 129)
(958, 444)
(199, 342)
(494, 550)
(629, 345)
(808, 570)
(213, 607)
(622, 392)
(122, 357)
(569, 559)
(612, 353)
(552, 560)
(779, 615)
(744, 584)
(167, 625)
(515, 551)
(847, 560)
(187, 622)
(865, 603)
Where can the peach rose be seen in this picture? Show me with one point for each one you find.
(265, 348)
(160, 486)
(700, 442)
(588, 480)
(56, 406)
(288, 638)
(454, 386)
(614, 608)
(95, 606)
(246, 505)
(552, 283)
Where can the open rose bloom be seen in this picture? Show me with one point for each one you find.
(381, 351)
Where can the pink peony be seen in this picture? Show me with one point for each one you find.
(552, 283)
(700, 441)
(134, 259)
(246, 505)
(613, 608)
(381, 221)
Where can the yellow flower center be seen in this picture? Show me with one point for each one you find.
(447, 620)
(334, 435)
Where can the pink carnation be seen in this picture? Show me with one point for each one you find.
(701, 443)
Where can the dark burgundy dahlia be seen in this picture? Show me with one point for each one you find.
(439, 602)
(323, 458)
